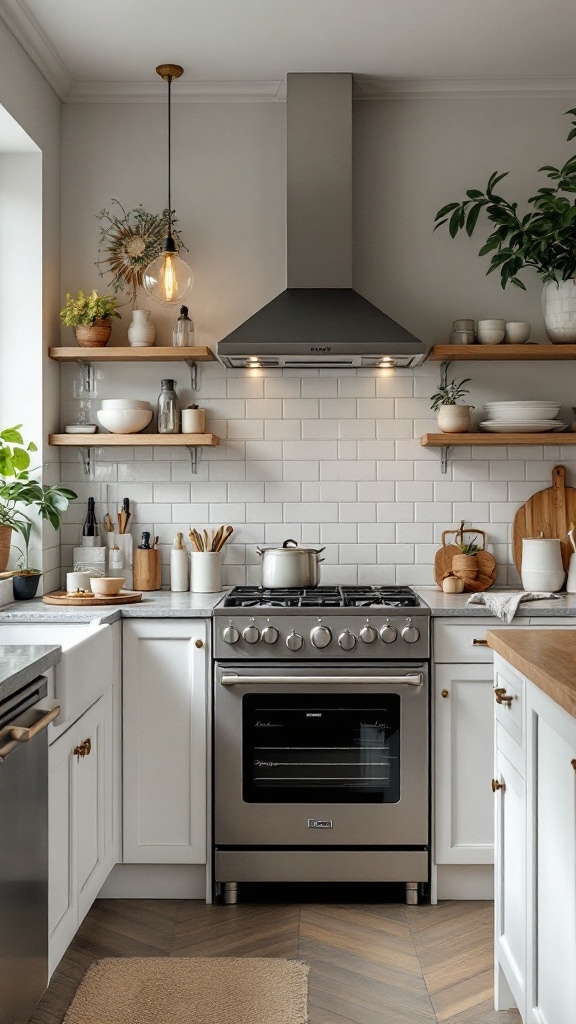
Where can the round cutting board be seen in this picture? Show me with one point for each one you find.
(60, 597)
(548, 513)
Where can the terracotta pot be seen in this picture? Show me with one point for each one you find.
(95, 335)
(454, 419)
(5, 542)
(465, 567)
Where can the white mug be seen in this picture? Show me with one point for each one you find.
(77, 581)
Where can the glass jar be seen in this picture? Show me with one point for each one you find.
(168, 409)
(183, 333)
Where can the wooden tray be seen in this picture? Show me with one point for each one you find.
(547, 513)
(60, 597)
(486, 563)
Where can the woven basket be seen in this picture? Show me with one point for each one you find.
(5, 541)
(465, 567)
(95, 335)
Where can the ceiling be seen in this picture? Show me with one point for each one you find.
(112, 47)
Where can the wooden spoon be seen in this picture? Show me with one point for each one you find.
(227, 533)
(216, 539)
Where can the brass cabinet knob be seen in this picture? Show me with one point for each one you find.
(502, 697)
(479, 643)
(199, 643)
(444, 693)
(498, 785)
(83, 749)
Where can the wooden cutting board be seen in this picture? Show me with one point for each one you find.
(60, 597)
(547, 513)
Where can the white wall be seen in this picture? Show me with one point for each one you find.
(27, 97)
(320, 457)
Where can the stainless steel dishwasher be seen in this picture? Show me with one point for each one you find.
(24, 850)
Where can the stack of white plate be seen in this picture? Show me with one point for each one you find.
(522, 417)
(124, 415)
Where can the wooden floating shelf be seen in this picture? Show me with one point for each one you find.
(124, 354)
(450, 440)
(107, 440)
(500, 353)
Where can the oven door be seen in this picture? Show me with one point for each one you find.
(321, 756)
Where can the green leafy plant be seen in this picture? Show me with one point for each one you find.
(18, 491)
(86, 309)
(468, 549)
(449, 394)
(544, 239)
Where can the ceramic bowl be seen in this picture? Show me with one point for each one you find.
(492, 325)
(490, 335)
(522, 411)
(106, 586)
(124, 403)
(517, 333)
(124, 421)
(463, 325)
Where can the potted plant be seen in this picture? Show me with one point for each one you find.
(465, 565)
(452, 418)
(544, 239)
(90, 317)
(18, 492)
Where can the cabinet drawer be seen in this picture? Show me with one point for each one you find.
(454, 641)
(509, 712)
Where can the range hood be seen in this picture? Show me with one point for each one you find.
(319, 320)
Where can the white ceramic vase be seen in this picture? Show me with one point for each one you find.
(141, 332)
(559, 311)
(454, 419)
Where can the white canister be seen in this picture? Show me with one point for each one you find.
(193, 421)
(141, 332)
(206, 572)
(542, 567)
(77, 581)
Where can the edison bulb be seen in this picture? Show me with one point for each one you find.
(168, 278)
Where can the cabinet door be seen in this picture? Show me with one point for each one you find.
(463, 759)
(552, 985)
(510, 882)
(94, 801)
(165, 741)
(62, 884)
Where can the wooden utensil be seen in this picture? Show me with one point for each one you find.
(108, 524)
(486, 563)
(227, 533)
(192, 536)
(547, 513)
(216, 539)
(206, 542)
(122, 522)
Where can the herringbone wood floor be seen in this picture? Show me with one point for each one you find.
(370, 964)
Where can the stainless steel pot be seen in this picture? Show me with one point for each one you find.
(290, 566)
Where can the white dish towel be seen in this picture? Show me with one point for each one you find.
(505, 605)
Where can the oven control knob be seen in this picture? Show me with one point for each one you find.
(347, 640)
(251, 634)
(368, 634)
(410, 634)
(294, 641)
(388, 634)
(321, 636)
(231, 635)
(270, 634)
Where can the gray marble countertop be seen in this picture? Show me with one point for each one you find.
(159, 604)
(21, 663)
(456, 605)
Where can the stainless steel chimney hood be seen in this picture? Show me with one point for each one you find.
(319, 320)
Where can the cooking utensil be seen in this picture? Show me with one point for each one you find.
(486, 574)
(227, 533)
(548, 514)
(290, 566)
(216, 539)
(108, 524)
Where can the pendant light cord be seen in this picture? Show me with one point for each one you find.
(169, 157)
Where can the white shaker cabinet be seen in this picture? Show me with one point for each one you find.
(83, 845)
(164, 702)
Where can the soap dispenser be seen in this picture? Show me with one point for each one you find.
(178, 566)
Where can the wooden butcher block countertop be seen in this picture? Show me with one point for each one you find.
(546, 656)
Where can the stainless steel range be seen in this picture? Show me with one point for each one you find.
(321, 737)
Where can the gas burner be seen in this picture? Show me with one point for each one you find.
(322, 597)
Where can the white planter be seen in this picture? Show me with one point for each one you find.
(141, 332)
(454, 419)
(559, 311)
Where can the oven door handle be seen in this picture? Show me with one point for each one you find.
(414, 679)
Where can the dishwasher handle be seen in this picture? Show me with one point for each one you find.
(414, 679)
(15, 734)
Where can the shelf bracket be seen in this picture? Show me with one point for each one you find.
(444, 458)
(193, 457)
(193, 374)
(87, 375)
(87, 458)
(444, 375)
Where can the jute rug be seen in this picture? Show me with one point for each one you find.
(178, 990)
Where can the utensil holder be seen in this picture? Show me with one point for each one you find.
(125, 542)
(206, 572)
(147, 569)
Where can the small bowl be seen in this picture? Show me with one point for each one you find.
(106, 586)
(124, 403)
(490, 335)
(462, 338)
(492, 325)
(463, 325)
(517, 333)
(124, 421)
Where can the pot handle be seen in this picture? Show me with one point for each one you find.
(287, 542)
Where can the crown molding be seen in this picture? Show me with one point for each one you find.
(185, 92)
(366, 88)
(37, 45)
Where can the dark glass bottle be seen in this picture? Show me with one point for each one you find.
(144, 544)
(90, 528)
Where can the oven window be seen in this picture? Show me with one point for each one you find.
(336, 748)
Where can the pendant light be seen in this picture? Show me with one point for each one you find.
(168, 278)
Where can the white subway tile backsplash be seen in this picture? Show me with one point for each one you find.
(379, 450)
(172, 492)
(283, 430)
(245, 387)
(338, 408)
(152, 513)
(321, 449)
(456, 490)
(326, 430)
(228, 470)
(341, 490)
(414, 490)
(256, 450)
(311, 490)
(229, 512)
(262, 408)
(376, 490)
(299, 409)
(241, 490)
(282, 387)
(414, 533)
(375, 408)
(377, 533)
(319, 387)
(396, 554)
(339, 533)
(394, 387)
(356, 387)
(282, 490)
(358, 512)
(311, 512)
(354, 429)
(245, 430)
(433, 512)
(395, 512)
(390, 470)
(264, 512)
(348, 470)
(494, 490)
(299, 470)
(357, 554)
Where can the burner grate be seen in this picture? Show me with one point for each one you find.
(322, 597)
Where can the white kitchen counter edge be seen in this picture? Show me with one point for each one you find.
(161, 604)
(455, 605)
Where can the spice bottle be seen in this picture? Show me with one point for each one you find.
(168, 408)
(178, 566)
(183, 333)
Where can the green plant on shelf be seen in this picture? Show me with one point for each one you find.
(84, 310)
(449, 394)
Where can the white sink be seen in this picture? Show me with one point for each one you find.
(85, 670)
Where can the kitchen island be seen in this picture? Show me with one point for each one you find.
(535, 844)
